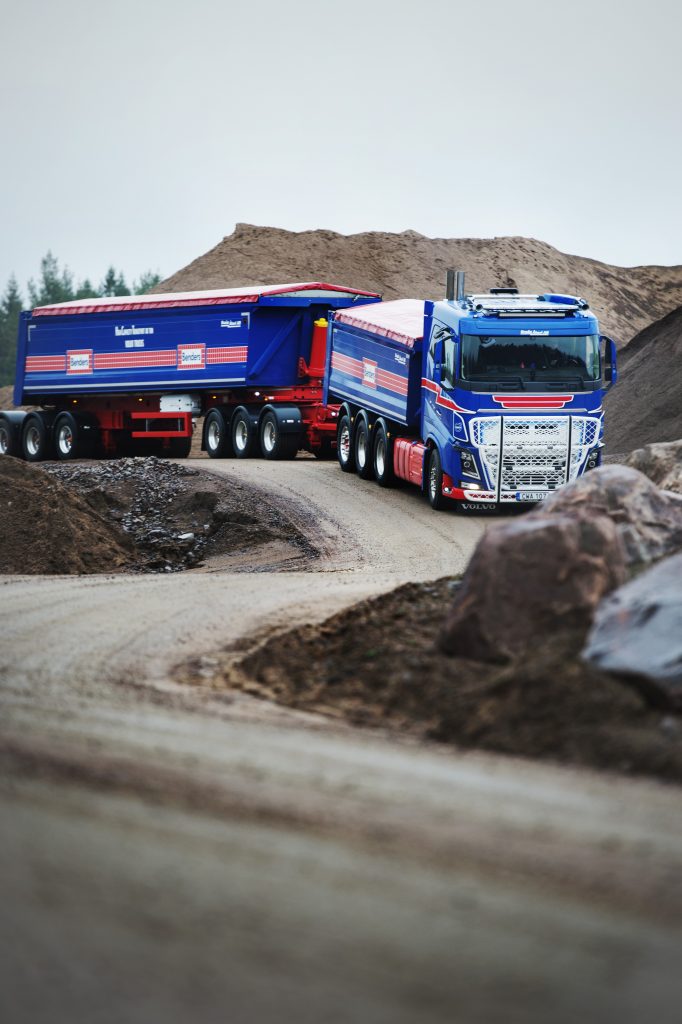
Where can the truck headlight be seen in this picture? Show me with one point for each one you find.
(592, 460)
(468, 464)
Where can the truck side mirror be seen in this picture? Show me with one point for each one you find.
(438, 359)
(609, 361)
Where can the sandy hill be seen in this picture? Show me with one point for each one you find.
(625, 299)
(646, 404)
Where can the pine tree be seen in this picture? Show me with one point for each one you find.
(146, 282)
(54, 285)
(10, 308)
(114, 283)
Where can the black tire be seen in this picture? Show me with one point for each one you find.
(178, 447)
(362, 449)
(434, 481)
(217, 436)
(35, 441)
(73, 439)
(273, 443)
(382, 456)
(244, 438)
(344, 444)
(327, 450)
(9, 443)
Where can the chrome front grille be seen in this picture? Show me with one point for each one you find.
(535, 449)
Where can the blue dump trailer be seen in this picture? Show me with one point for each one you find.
(482, 400)
(129, 374)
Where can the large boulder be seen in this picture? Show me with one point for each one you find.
(637, 633)
(528, 577)
(648, 520)
(549, 571)
(661, 462)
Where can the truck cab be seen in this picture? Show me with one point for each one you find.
(512, 393)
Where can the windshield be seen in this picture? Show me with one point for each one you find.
(516, 362)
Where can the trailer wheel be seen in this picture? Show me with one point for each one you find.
(363, 450)
(344, 444)
(243, 434)
(382, 454)
(217, 436)
(273, 443)
(8, 440)
(72, 438)
(35, 443)
(434, 481)
(179, 447)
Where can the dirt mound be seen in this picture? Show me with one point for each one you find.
(371, 666)
(410, 264)
(45, 528)
(646, 404)
(6, 393)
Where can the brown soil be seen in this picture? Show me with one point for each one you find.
(410, 264)
(143, 515)
(45, 528)
(377, 665)
(646, 404)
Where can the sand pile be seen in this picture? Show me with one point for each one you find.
(646, 404)
(410, 264)
(45, 528)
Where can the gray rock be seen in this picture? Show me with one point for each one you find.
(637, 633)
(648, 520)
(661, 462)
(530, 577)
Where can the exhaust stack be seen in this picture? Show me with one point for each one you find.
(459, 286)
(450, 285)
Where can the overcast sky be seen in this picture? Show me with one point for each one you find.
(138, 132)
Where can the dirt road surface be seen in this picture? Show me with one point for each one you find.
(180, 853)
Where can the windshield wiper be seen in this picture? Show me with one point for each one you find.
(507, 382)
(562, 383)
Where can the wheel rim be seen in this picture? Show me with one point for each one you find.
(269, 436)
(344, 443)
(65, 439)
(433, 479)
(213, 436)
(362, 449)
(4, 440)
(33, 441)
(241, 435)
(381, 456)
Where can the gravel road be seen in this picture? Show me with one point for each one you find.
(179, 853)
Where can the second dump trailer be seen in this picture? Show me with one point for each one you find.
(129, 374)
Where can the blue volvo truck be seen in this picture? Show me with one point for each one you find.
(483, 400)
(128, 374)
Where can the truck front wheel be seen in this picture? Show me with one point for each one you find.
(344, 444)
(35, 442)
(434, 481)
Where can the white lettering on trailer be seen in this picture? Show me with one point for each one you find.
(400, 358)
(134, 343)
(535, 334)
(369, 373)
(230, 323)
(123, 332)
(79, 361)
(191, 357)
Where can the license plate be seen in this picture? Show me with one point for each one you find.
(531, 495)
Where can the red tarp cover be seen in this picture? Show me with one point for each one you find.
(216, 297)
(401, 320)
